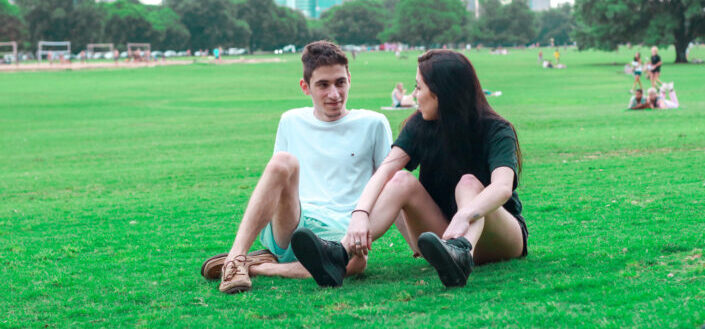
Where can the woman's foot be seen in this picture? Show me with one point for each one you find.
(451, 259)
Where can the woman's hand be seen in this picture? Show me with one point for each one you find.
(358, 239)
(458, 226)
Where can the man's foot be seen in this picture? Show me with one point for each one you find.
(451, 259)
(325, 260)
(236, 276)
(212, 268)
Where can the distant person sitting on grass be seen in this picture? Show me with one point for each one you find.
(463, 208)
(323, 156)
(638, 101)
(400, 99)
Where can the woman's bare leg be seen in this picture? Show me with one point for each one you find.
(495, 237)
(421, 214)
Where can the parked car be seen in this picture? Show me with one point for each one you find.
(352, 48)
(169, 53)
(123, 54)
(8, 59)
(236, 51)
(182, 53)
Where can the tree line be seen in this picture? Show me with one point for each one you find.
(263, 25)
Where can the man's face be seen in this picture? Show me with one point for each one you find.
(638, 94)
(328, 88)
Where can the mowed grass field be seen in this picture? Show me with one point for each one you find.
(115, 185)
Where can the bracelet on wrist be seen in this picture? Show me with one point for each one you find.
(360, 210)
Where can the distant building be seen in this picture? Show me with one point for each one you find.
(310, 8)
(539, 5)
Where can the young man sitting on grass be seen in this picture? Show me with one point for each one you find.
(323, 157)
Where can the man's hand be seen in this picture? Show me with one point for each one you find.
(358, 240)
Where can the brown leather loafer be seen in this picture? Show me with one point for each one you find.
(212, 268)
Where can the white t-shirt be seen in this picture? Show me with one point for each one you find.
(336, 159)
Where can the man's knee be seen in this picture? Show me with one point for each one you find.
(469, 182)
(282, 163)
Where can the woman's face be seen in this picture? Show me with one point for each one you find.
(428, 102)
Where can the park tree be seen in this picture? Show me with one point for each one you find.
(128, 21)
(557, 24)
(211, 23)
(605, 24)
(12, 27)
(356, 22)
(318, 30)
(79, 21)
(272, 26)
(510, 24)
(390, 5)
(427, 22)
(169, 32)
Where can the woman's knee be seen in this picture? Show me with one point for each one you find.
(469, 182)
(403, 180)
(282, 163)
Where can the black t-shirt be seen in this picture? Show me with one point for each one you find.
(655, 59)
(438, 174)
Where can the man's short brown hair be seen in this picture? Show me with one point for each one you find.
(321, 53)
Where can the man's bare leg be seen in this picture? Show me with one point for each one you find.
(297, 271)
(275, 199)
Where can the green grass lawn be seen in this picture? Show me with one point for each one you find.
(116, 184)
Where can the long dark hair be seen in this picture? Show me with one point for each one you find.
(462, 105)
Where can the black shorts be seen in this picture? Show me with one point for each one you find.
(524, 234)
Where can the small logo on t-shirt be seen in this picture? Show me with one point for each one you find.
(352, 154)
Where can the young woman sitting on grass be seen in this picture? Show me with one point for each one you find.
(463, 209)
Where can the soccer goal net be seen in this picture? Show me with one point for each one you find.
(91, 47)
(13, 46)
(53, 50)
(139, 51)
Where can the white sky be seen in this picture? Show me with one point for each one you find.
(560, 2)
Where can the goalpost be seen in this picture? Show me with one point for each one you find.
(90, 48)
(141, 46)
(12, 44)
(42, 45)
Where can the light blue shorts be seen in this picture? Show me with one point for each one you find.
(286, 255)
